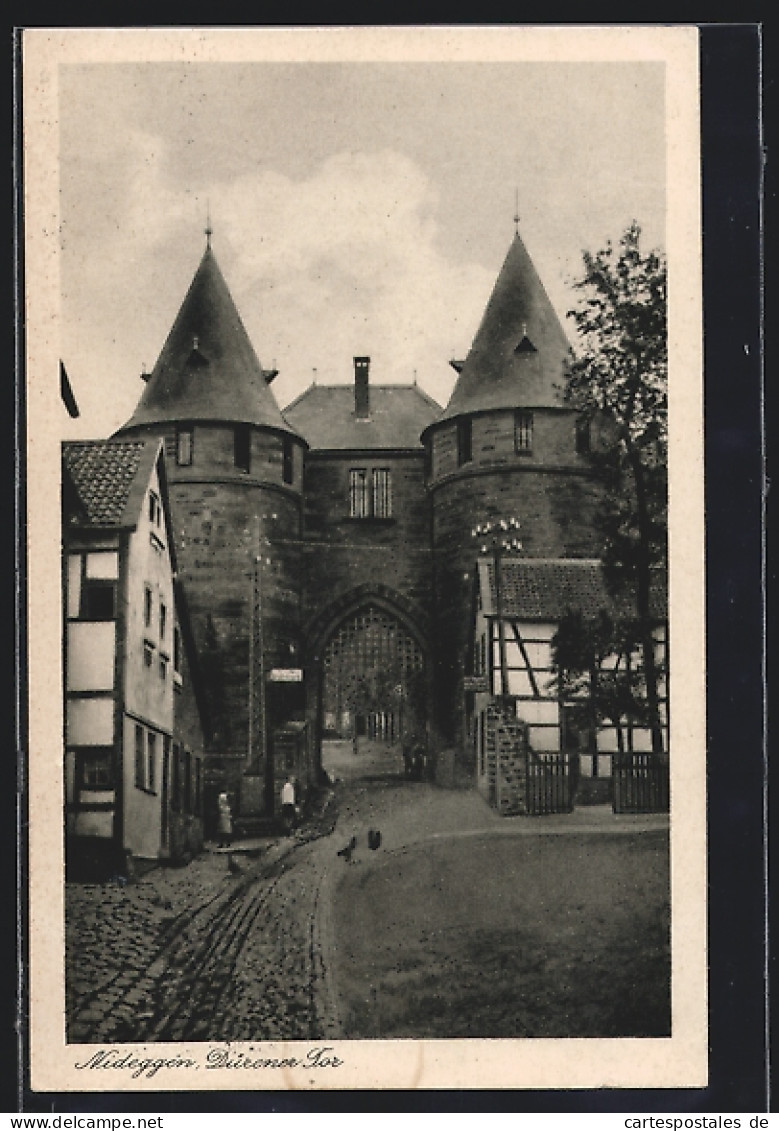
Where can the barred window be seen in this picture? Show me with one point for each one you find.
(523, 431)
(359, 502)
(382, 493)
(370, 493)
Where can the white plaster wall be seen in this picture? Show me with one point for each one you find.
(91, 652)
(90, 722)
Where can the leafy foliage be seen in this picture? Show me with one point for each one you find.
(591, 658)
(621, 366)
(618, 380)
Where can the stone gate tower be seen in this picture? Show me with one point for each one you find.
(506, 445)
(235, 475)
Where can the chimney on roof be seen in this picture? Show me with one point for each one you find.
(362, 406)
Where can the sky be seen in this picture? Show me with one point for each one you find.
(357, 208)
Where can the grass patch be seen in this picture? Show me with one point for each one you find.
(543, 936)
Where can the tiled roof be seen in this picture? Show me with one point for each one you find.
(519, 353)
(543, 589)
(110, 478)
(208, 369)
(324, 416)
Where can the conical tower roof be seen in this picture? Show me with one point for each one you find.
(208, 369)
(519, 353)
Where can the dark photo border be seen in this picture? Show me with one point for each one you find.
(732, 80)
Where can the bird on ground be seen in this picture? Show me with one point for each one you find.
(348, 850)
(374, 839)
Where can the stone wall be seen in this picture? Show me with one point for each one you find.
(507, 752)
(550, 492)
(342, 554)
(222, 517)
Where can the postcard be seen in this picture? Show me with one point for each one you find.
(365, 558)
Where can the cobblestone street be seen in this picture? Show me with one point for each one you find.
(224, 948)
(240, 946)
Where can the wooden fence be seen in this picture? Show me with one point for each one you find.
(641, 784)
(551, 782)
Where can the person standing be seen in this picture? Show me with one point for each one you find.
(288, 805)
(225, 821)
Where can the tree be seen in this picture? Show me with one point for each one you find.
(591, 661)
(618, 380)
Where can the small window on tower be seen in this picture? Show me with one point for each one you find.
(287, 465)
(464, 441)
(242, 447)
(184, 438)
(428, 460)
(523, 431)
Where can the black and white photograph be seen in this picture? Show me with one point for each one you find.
(366, 644)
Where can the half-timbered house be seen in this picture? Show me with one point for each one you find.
(135, 728)
(519, 605)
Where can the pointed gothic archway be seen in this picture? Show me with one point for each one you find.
(369, 670)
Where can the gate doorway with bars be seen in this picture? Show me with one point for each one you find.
(373, 684)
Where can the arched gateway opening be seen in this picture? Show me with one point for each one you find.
(372, 692)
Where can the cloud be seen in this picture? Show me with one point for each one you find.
(344, 261)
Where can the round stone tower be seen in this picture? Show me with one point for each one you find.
(235, 478)
(506, 446)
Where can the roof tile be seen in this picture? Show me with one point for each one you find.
(518, 356)
(541, 589)
(208, 369)
(104, 474)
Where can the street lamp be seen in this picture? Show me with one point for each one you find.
(497, 538)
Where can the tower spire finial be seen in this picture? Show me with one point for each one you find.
(209, 231)
(516, 211)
